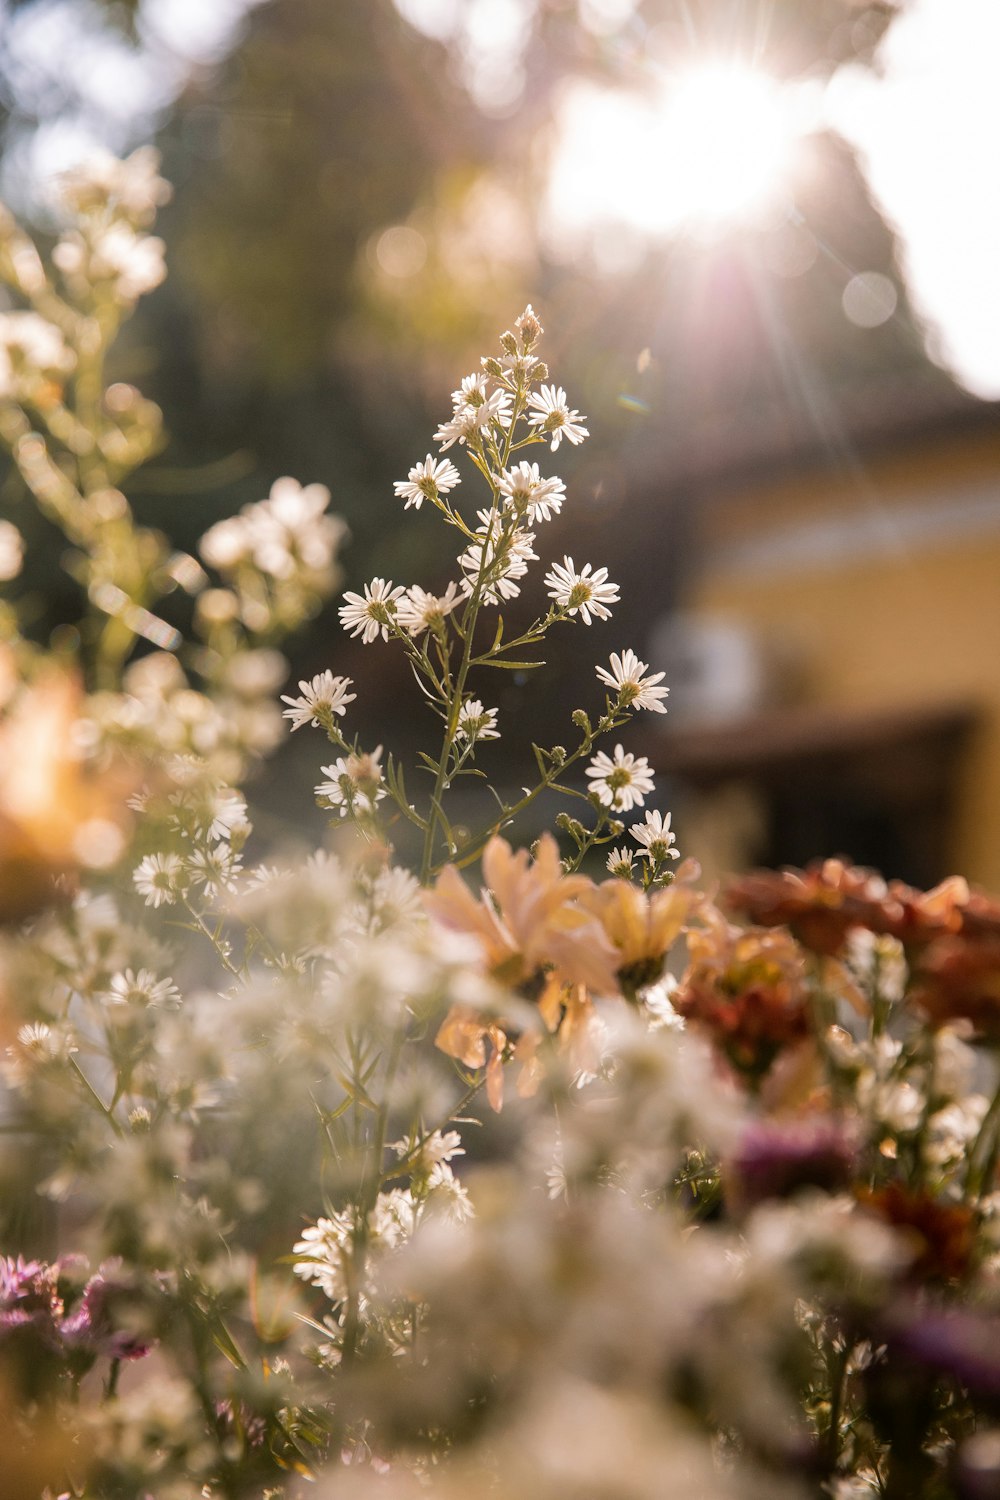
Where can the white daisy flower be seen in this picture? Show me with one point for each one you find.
(228, 813)
(632, 688)
(369, 615)
(528, 494)
(215, 869)
(656, 837)
(353, 785)
(621, 862)
(428, 480)
(324, 1253)
(476, 722)
(551, 415)
(418, 611)
(322, 697)
(11, 551)
(505, 559)
(474, 410)
(584, 592)
(622, 782)
(160, 878)
(130, 987)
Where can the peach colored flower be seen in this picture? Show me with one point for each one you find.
(528, 919)
(641, 926)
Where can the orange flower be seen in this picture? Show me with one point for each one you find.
(641, 926)
(527, 920)
(747, 989)
(959, 977)
(941, 1235)
(821, 904)
(53, 816)
(531, 930)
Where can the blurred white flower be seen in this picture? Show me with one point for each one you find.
(11, 551)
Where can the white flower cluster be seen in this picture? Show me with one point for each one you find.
(111, 201)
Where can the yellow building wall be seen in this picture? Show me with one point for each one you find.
(919, 628)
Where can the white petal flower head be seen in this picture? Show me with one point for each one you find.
(656, 837)
(215, 869)
(475, 408)
(289, 529)
(528, 494)
(11, 551)
(586, 592)
(621, 863)
(354, 784)
(227, 543)
(550, 413)
(142, 988)
(633, 689)
(369, 615)
(427, 481)
(324, 1253)
(160, 878)
(134, 262)
(621, 782)
(322, 697)
(504, 559)
(476, 722)
(419, 611)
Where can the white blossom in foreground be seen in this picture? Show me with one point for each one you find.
(132, 263)
(621, 782)
(324, 1254)
(353, 785)
(160, 878)
(621, 862)
(427, 481)
(656, 837)
(11, 551)
(586, 592)
(419, 611)
(284, 534)
(550, 413)
(133, 185)
(141, 987)
(290, 528)
(527, 494)
(633, 689)
(474, 409)
(215, 869)
(30, 347)
(323, 696)
(502, 560)
(369, 615)
(476, 722)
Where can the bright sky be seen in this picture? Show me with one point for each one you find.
(929, 134)
(699, 153)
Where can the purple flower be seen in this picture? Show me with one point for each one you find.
(94, 1325)
(776, 1159)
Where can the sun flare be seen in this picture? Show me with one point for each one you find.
(708, 150)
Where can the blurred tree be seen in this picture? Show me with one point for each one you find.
(356, 216)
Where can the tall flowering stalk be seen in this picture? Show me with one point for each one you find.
(456, 638)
